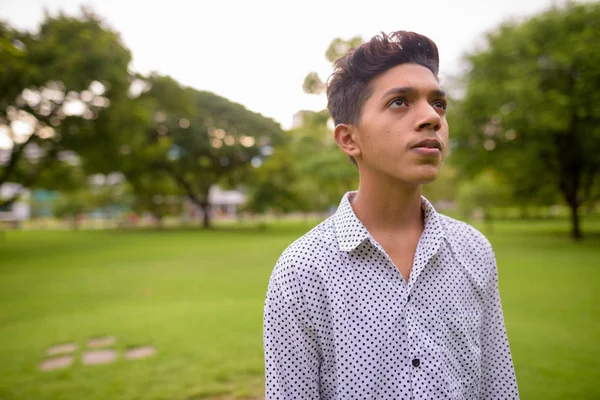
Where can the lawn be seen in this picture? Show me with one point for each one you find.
(197, 297)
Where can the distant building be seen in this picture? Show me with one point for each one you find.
(223, 203)
(298, 118)
(20, 209)
(226, 201)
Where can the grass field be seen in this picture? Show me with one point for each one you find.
(197, 297)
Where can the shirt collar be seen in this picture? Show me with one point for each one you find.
(351, 232)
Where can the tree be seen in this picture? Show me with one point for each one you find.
(313, 84)
(157, 194)
(483, 193)
(199, 139)
(445, 187)
(531, 108)
(327, 171)
(323, 170)
(277, 185)
(110, 194)
(308, 172)
(72, 205)
(60, 92)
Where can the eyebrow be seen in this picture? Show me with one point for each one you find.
(410, 90)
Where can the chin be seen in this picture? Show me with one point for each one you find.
(426, 180)
(425, 177)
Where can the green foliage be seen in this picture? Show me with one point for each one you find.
(531, 107)
(111, 198)
(485, 192)
(322, 169)
(445, 187)
(276, 185)
(107, 197)
(192, 141)
(339, 47)
(308, 173)
(67, 86)
(321, 162)
(70, 83)
(313, 84)
(71, 205)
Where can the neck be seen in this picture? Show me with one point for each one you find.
(388, 206)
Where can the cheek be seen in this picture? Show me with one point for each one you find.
(443, 134)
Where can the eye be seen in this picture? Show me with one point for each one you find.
(440, 104)
(396, 103)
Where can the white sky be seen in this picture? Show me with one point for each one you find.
(257, 52)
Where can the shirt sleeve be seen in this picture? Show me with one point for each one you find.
(499, 381)
(292, 356)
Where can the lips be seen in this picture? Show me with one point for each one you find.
(429, 144)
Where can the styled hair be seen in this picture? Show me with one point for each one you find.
(348, 87)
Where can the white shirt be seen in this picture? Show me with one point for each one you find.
(340, 322)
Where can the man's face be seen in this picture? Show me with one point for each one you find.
(403, 132)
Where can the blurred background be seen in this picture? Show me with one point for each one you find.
(155, 160)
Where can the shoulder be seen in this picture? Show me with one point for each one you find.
(470, 247)
(464, 233)
(304, 258)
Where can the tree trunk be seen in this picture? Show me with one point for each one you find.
(205, 205)
(205, 215)
(571, 166)
(200, 199)
(575, 227)
(569, 185)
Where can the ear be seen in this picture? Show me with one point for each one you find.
(345, 137)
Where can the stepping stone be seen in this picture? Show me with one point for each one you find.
(65, 348)
(56, 363)
(140, 352)
(98, 357)
(102, 341)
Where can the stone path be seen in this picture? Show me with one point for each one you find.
(97, 351)
(140, 352)
(102, 341)
(56, 363)
(62, 349)
(98, 357)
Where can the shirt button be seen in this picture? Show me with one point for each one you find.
(416, 362)
(408, 298)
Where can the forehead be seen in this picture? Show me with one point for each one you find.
(403, 76)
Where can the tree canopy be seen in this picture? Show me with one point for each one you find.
(60, 89)
(196, 139)
(531, 109)
(69, 105)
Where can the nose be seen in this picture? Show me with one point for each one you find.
(428, 118)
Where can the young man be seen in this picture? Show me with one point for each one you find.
(387, 299)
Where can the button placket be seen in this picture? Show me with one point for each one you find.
(413, 347)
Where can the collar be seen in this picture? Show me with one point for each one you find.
(351, 232)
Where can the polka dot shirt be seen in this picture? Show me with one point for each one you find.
(340, 322)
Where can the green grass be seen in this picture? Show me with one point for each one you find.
(197, 297)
